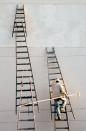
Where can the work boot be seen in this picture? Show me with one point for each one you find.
(59, 117)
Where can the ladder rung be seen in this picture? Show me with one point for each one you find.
(23, 64)
(68, 104)
(21, 47)
(30, 128)
(19, 26)
(55, 79)
(24, 76)
(25, 70)
(19, 22)
(52, 62)
(24, 83)
(25, 97)
(29, 105)
(54, 73)
(20, 35)
(50, 52)
(18, 31)
(19, 12)
(51, 56)
(26, 120)
(22, 52)
(19, 9)
(26, 90)
(61, 120)
(21, 41)
(53, 67)
(22, 58)
(62, 127)
(51, 79)
(26, 111)
(61, 78)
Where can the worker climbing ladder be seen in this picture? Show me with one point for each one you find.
(54, 72)
(25, 86)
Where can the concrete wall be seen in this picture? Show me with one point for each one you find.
(73, 64)
(48, 24)
(62, 26)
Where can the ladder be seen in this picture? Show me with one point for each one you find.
(54, 72)
(25, 86)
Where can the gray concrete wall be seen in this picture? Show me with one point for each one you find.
(48, 24)
(62, 26)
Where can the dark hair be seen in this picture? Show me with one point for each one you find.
(57, 81)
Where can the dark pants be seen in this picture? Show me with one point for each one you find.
(58, 104)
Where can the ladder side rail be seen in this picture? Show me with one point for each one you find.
(25, 23)
(33, 108)
(16, 80)
(67, 118)
(49, 87)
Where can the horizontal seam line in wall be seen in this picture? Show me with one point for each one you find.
(45, 47)
(44, 3)
(43, 121)
(41, 110)
(58, 56)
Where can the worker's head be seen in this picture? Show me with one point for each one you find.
(57, 80)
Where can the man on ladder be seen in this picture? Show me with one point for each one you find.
(60, 96)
